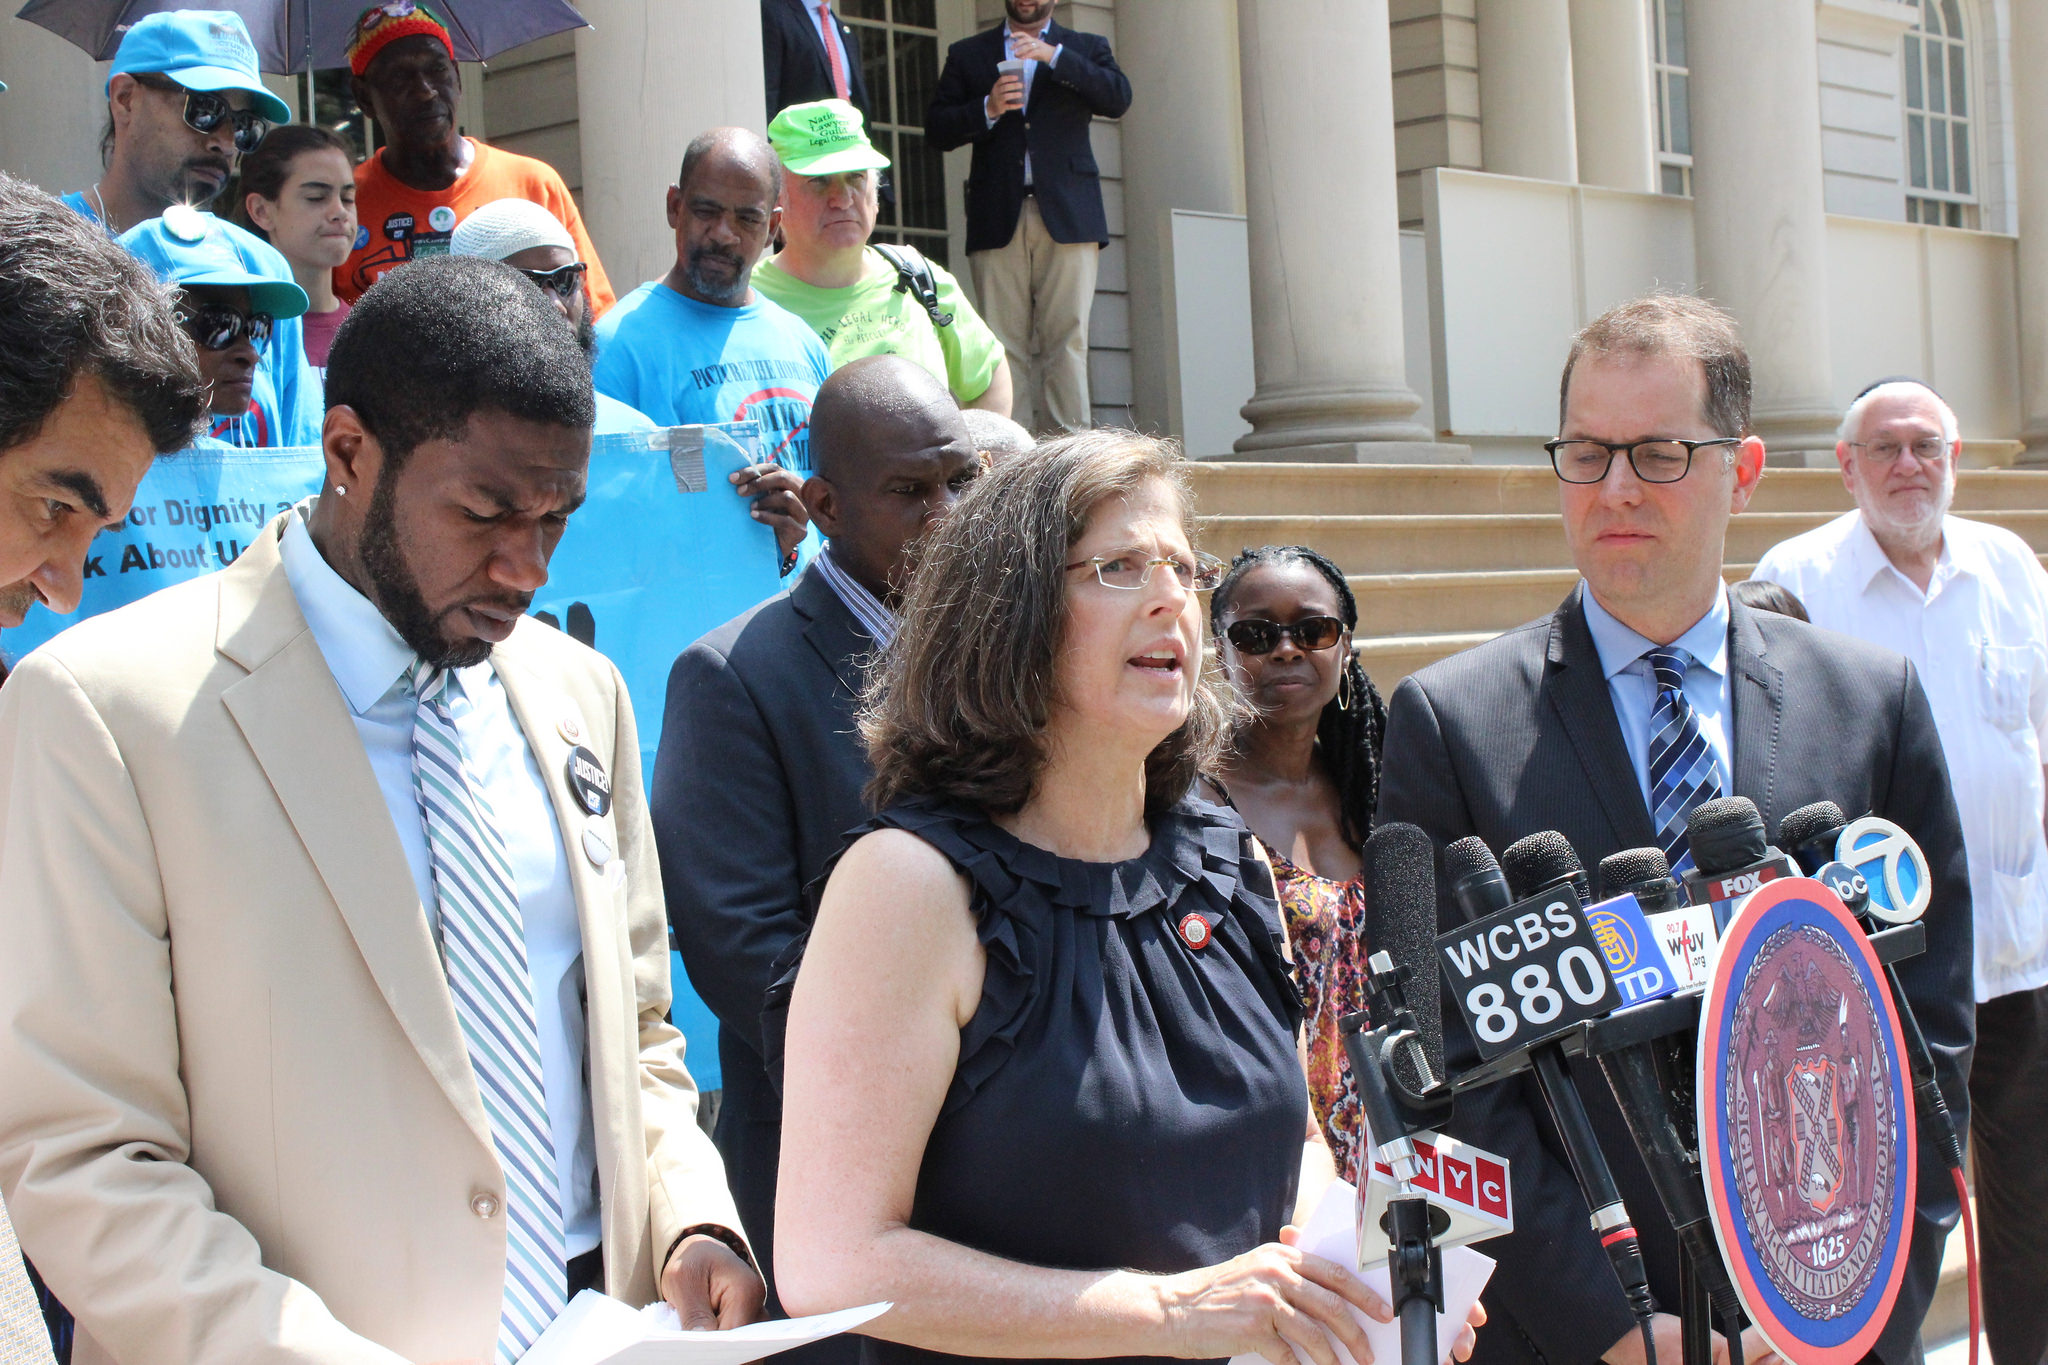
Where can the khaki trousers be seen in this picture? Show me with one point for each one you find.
(1035, 296)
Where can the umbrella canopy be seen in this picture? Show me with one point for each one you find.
(297, 35)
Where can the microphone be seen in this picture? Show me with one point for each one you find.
(1817, 831)
(1730, 857)
(1395, 1066)
(1543, 862)
(1682, 931)
(1400, 921)
(1875, 858)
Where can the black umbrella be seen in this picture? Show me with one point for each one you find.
(298, 35)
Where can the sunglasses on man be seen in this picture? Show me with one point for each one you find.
(562, 281)
(215, 326)
(205, 111)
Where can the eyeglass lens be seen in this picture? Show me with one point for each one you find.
(205, 112)
(1132, 571)
(1927, 450)
(1254, 636)
(1589, 461)
(562, 281)
(216, 328)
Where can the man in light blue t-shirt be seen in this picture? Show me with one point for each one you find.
(184, 102)
(699, 345)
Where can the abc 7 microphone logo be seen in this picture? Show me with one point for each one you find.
(1892, 866)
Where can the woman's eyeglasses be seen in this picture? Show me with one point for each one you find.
(206, 111)
(215, 326)
(1312, 633)
(1197, 573)
(562, 282)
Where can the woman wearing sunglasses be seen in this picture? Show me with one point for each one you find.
(1304, 772)
(299, 194)
(230, 314)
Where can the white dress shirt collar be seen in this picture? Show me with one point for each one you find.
(363, 651)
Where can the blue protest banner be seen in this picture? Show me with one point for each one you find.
(661, 551)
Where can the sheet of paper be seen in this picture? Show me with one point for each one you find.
(596, 1330)
(1332, 1233)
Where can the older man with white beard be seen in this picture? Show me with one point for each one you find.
(1968, 604)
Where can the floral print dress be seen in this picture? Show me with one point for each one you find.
(1325, 922)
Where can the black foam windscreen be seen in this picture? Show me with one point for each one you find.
(1400, 921)
(1724, 834)
(1632, 867)
(1809, 823)
(1539, 860)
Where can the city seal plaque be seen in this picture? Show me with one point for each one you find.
(1806, 1124)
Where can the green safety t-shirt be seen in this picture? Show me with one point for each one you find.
(874, 318)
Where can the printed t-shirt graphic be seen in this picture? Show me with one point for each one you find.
(683, 362)
(874, 318)
(400, 223)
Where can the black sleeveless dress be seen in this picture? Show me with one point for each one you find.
(1128, 1093)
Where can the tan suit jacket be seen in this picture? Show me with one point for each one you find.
(237, 1116)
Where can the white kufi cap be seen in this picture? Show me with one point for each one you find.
(505, 227)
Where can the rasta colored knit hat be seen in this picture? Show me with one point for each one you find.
(384, 24)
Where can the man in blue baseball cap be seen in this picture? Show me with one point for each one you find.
(184, 102)
(230, 312)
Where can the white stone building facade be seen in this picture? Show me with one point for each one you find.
(1365, 229)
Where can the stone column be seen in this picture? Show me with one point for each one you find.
(1324, 235)
(2030, 132)
(1613, 95)
(1525, 89)
(1183, 146)
(651, 75)
(1759, 220)
(54, 108)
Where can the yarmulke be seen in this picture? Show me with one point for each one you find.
(506, 227)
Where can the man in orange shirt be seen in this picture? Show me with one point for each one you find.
(428, 177)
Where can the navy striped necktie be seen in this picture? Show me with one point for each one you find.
(1682, 768)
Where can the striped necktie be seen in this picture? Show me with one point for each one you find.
(483, 950)
(1682, 770)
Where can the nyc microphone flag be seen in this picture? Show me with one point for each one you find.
(661, 551)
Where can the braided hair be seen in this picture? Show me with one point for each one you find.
(1352, 729)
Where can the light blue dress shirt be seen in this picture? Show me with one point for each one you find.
(1634, 688)
(369, 660)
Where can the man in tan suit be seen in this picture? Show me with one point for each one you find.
(262, 1096)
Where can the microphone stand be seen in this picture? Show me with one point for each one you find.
(1415, 1269)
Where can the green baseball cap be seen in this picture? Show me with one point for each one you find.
(824, 137)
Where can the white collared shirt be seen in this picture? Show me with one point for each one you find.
(1030, 74)
(1979, 639)
(369, 660)
(1632, 684)
(872, 613)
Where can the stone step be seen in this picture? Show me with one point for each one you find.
(1437, 543)
(1240, 488)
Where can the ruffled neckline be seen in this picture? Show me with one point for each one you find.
(1191, 841)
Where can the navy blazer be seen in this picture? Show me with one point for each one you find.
(1053, 127)
(757, 780)
(1519, 735)
(794, 63)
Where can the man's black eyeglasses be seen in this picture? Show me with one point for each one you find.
(1311, 633)
(1666, 460)
(206, 111)
(563, 281)
(215, 326)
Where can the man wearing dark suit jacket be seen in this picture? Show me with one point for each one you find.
(760, 769)
(1035, 223)
(1550, 726)
(809, 53)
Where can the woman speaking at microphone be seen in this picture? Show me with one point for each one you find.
(1041, 1080)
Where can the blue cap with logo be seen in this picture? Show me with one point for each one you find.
(187, 247)
(200, 49)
